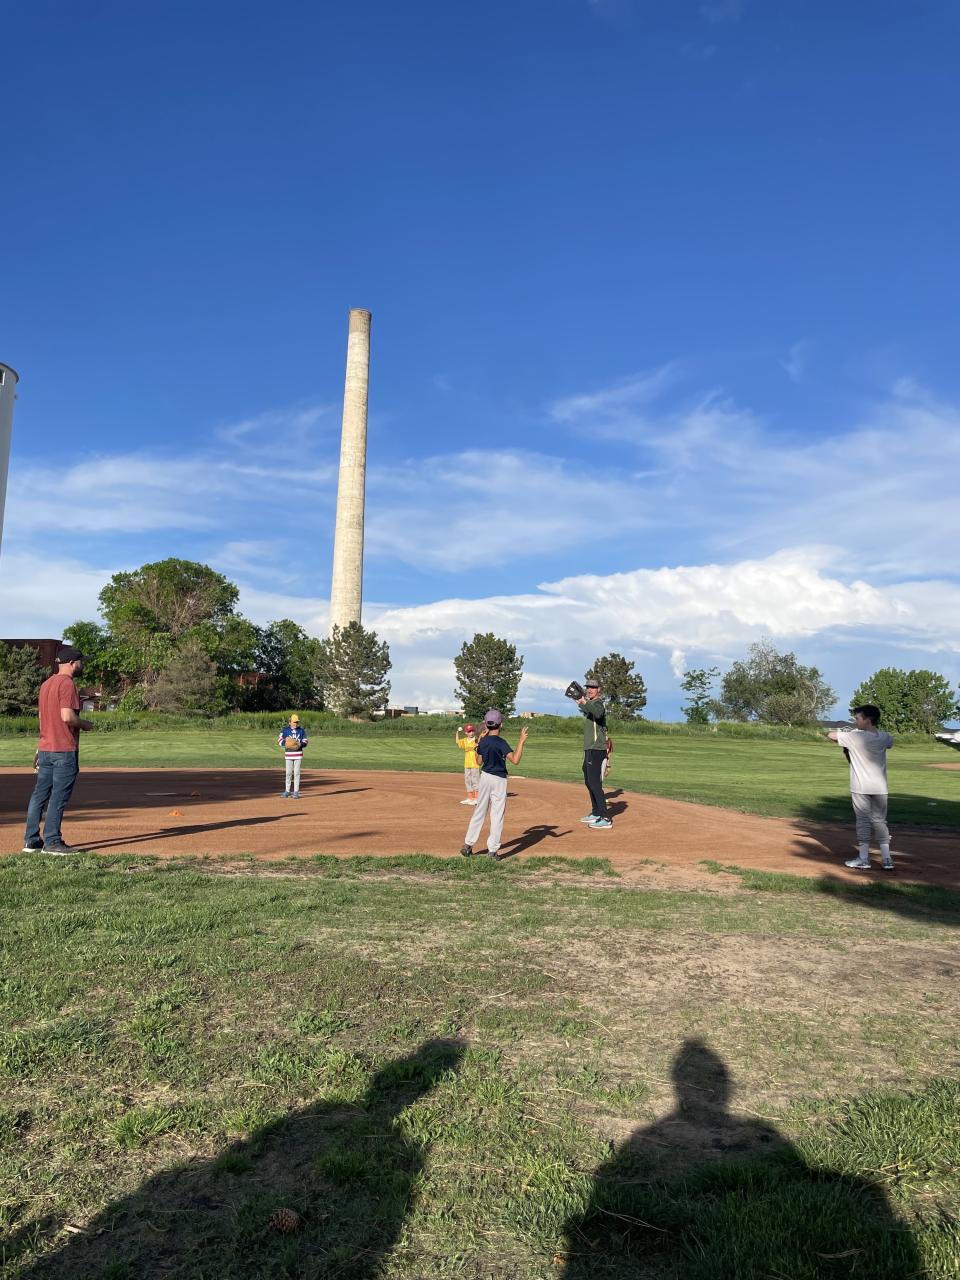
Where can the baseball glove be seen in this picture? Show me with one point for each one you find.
(574, 690)
(291, 743)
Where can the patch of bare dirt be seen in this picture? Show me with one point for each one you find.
(189, 812)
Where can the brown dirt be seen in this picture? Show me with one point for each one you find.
(189, 812)
(945, 766)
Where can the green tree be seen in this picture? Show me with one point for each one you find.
(488, 675)
(698, 684)
(774, 688)
(170, 596)
(187, 682)
(151, 611)
(909, 701)
(20, 679)
(233, 648)
(352, 665)
(623, 690)
(294, 661)
(102, 662)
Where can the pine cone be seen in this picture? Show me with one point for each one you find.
(285, 1220)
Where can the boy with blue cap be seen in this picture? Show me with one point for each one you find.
(493, 752)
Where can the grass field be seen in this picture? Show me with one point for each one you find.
(778, 777)
(452, 1071)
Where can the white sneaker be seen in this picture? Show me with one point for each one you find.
(858, 864)
(887, 865)
(466, 802)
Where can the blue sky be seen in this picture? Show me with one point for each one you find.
(664, 336)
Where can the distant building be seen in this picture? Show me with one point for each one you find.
(46, 649)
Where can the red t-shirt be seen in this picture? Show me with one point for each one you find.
(55, 735)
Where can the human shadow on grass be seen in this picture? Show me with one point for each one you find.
(705, 1194)
(351, 1172)
(529, 838)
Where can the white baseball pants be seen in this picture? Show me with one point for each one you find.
(492, 797)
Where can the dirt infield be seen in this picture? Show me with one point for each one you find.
(183, 812)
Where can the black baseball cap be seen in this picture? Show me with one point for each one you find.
(67, 653)
(592, 684)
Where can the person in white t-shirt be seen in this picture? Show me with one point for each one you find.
(866, 748)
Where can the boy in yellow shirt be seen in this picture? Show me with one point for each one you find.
(467, 742)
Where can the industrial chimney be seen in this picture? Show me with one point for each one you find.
(8, 393)
(346, 586)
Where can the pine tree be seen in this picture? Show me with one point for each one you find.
(353, 665)
(20, 679)
(622, 689)
(488, 675)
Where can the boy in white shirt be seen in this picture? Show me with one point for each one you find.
(866, 748)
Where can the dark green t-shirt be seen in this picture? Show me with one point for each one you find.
(595, 728)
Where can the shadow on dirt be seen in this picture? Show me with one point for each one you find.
(709, 1195)
(108, 790)
(350, 1171)
(529, 839)
(926, 857)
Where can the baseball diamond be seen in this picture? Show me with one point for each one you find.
(346, 812)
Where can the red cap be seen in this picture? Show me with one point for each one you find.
(468, 728)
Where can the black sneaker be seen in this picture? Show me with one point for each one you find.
(33, 846)
(59, 848)
(466, 851)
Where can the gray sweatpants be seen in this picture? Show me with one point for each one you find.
(871, 815)
(493, 796)
(293, 773)
(471, 779)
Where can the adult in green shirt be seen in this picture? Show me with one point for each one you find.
(594, 753)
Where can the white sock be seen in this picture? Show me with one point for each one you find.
(864, 851)
(885, 853)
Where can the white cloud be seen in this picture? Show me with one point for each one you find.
(712, 609)
(42, 594)
(531, 503)
(795, 364)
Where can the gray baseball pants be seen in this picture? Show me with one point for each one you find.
(871, 815)
(293, 773)
(492, 797)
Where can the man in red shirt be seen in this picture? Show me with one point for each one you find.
(58, 755)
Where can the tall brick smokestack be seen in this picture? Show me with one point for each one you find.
(346, 585)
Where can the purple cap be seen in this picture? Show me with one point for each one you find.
(493, 719)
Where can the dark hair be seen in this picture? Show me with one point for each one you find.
(870, 712)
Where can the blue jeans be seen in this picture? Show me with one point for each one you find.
(55, 780)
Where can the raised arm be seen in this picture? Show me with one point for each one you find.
(514, 756)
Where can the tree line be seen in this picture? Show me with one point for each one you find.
(170, 639)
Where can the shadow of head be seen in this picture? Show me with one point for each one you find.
(701, 1080)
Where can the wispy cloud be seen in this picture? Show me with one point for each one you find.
(795, 364)
(874, 490)
(531, 504)
(723, 10)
